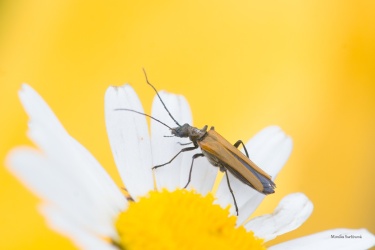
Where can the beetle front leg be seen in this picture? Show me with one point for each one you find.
(181, 151)
(184, 144)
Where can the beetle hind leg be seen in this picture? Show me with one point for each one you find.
(237, 144)
(231, 191)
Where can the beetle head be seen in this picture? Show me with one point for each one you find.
(189, 131)
(182, 131)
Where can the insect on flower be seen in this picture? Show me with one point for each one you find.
(219, 152)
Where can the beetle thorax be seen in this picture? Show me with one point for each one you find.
(196, 133)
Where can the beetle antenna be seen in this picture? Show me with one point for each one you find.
(131, 110)
(144, 71)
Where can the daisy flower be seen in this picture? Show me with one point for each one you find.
(81, 201)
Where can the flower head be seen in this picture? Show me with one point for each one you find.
(82, 202)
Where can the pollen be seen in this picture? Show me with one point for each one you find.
(181, 220)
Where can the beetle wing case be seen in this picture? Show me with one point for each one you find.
(223, 154)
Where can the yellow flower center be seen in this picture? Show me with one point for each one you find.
(181, 220)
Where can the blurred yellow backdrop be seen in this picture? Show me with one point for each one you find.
(308, 66)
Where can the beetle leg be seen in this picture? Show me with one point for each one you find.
(191, 167)
(184, 144)
(127, 195)
(182, 150)
(222, 169)
(231, 191)
(238, 144)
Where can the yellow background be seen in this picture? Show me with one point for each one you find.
(308, 66)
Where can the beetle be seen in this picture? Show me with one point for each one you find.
(219, 152)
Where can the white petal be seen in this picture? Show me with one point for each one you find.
(164, 148)
(269, 149)
(242, 192)
(129, 139)
(82, 237)
(325, 241)
(278, 157)
(58, 188)
(48, 133)
(291, 213)
(66, 174)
